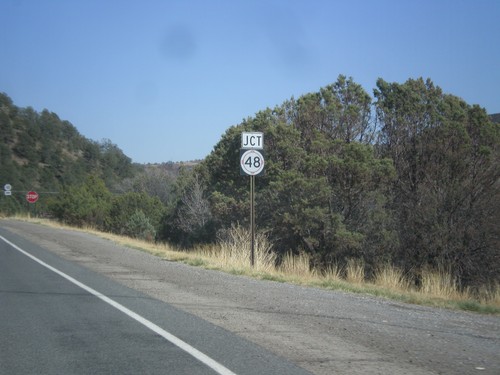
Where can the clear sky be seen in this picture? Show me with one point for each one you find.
(165, 79)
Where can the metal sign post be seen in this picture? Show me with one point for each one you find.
(252, 220)
(252, 164)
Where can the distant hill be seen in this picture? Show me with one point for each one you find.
(495, 118)
(173, 168)
(41, 151)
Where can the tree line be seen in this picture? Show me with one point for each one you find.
(410, 177)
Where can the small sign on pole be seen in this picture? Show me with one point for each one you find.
(7, 189)
(32, 196)
(252, 164)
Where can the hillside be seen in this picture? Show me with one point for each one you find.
(41, 151)
(495, 118)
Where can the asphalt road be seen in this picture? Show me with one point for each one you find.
(237, 321)
(50, 325)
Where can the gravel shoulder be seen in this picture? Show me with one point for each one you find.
(325, 332)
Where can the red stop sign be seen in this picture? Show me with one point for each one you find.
(32, 196)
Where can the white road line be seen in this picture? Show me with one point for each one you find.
(217, 367)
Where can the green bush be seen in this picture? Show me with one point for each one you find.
(140, 227)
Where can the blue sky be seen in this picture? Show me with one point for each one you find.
(165, 79)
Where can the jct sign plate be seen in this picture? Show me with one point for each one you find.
(252, 140)
(251, 162)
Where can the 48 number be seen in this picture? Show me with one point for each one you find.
(253, 162)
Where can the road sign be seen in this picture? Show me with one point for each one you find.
(32, 196)
(7, 187)
(7, 192)
(252, 140)
(251, 162)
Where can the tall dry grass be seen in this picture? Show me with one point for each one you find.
(440, 283)
(490, 294)
(355, 271)
(391, 277)
(296, 265)
(233, 250)
(332, 273)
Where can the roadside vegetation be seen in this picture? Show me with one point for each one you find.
(231, 254)
(397, 192)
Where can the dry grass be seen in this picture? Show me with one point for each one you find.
(391, 277)
(233, 251)
(441, 284)
(490, 294)
(333, 273)
(296, 265)
(232, 254)
(355, 271)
